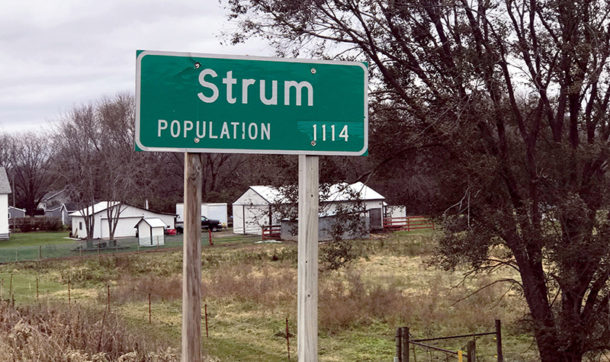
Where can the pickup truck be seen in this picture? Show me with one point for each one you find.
(210, 224)
(206, 223)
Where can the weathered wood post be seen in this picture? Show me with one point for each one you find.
(205, 308)
(191, 262)
(307, 283)
(287, 339)
(404, 344)
(471, 351)
(398, 344)
(499, 340)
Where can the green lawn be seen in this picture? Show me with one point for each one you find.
(36, 238)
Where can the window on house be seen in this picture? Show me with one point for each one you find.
(80, 225)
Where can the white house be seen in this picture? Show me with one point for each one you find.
(128, 218)
(266, 205)
(5, 190)
(151, 232)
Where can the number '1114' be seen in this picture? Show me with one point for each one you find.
(328, 133)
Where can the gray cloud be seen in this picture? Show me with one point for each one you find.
(57, 54)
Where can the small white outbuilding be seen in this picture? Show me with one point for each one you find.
(151, 232)
(263, 205)
(5, 190)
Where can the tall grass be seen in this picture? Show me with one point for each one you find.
(56, 333)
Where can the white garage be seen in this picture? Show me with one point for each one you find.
(128, 217)
(266, 205)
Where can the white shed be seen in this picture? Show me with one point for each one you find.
(151, 232)
(128, 217)
(5, 190)
(260, 205)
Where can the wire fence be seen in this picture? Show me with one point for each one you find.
(80, 248)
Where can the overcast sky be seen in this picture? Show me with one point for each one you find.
(58, 54)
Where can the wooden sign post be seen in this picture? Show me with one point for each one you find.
(323, 111)
(307, 306)
(191, 260)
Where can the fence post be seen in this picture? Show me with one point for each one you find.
(210, 237)
(39, 252)
(287, 339)
(499, 340)
(471, 351)
(404, 344)
(398, 344)
(37, 287)
(206, 320)
(108, 298)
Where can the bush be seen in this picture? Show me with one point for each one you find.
(27, 224)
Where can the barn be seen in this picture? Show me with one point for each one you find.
(5, 190)
(128, 218)
(267, 205)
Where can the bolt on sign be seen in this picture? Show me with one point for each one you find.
(188, 102)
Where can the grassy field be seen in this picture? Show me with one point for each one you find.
(36, 238)
(250, 291)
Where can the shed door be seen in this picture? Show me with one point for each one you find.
(375, 216)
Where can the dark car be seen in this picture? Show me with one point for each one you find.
(210, 224)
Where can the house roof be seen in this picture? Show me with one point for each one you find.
(5, 186)
(336, 192)
(96, 208)
(153, 222)
(270, 193)
(103, 205)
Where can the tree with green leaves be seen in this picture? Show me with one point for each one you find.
(506, 104)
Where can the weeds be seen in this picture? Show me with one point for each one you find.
(56, 333)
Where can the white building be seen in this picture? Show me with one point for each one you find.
(128, 218)
(151, 232)
(5, 190)
(266, 205)
(211, 210)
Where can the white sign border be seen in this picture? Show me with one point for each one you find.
(142, 53)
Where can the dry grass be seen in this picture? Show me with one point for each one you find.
(133, 289)
(57, 333)
(251, 289)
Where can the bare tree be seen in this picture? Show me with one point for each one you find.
(76, 162)
(29, 166)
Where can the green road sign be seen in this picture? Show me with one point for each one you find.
(232, 104)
